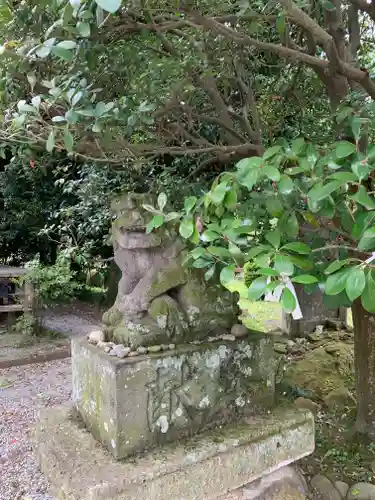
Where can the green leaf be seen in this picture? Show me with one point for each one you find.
(288, 301)
(344, 177)
(219, 192)
(271, 172)
(68, 140)
(247, 164)
(209, 274)
(368, 295)
(257, 288)
(301, 262)
(83, 29)
(227, 274)
(198, 252)
(111, 6)
(86, 112)
(50, 141)
(355, 284)
(363, 198)
(320, 192)
(67, 44)
(367, 242)
(270, 152)
(274, 206)
(235, 251)
(297, 247)
(267, 271)
(274, 237)
(335, 266)
(158, 220)
(356, 127)
(172, 216)
(361, 170)
(280, 24)
(285, 185)
(329, 5)
(189, 203)
(43, 51)
(283, 265)
(231, 199)
(249, 180)
(201, 263)
(336, 282)
(62, 53)
(305, 279)
(298, 145)
(345, 149)
(186, 228)
(96, 127)
(220, 252)
(291, 226)
(162, 201)
(210, 235)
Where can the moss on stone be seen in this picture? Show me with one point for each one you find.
(321, 372)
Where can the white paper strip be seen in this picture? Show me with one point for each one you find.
(276, 294)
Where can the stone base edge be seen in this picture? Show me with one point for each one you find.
(202, 468)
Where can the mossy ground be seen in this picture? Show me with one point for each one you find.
(340, 454)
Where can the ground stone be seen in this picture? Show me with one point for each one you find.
(239, 330)
(280, 348)
(306, 404)
(339, 398)
(96, 336)
(320, 372)
(323, 487)
(200, 469)
(362, 491)
(283, 484)
(342, 488)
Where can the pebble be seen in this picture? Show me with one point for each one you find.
(315, 337)
(107, 348)
(239, 330)
(142, 350)
(229, 337)
(132, 354)
(324, 488)
(361, 491)
(306, 404)
(120, 351)
(280, 348)
(154, 348)
(319, 329)
(172, 346)
(96, 336)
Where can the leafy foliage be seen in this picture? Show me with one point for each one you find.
(316, 226)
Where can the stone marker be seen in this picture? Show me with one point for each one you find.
(315, 313)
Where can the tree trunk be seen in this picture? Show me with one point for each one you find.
(364, 344)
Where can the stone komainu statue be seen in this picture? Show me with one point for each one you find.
(159, 301)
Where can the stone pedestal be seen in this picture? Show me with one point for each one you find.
(135, 403)
(203, 468)
(314, 311)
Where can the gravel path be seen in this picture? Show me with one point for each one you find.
(24, 391)
(69, 324)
